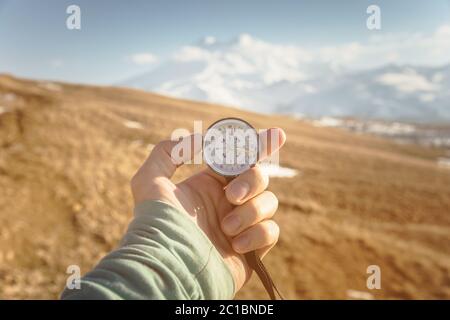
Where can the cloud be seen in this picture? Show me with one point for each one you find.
(192, 53)
(396, 48)
(418, 49)
(209, 40)
(246, 55)
(408, 81)
(143, 58)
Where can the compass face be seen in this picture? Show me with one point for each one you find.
(230, 146)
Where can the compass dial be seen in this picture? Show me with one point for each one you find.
(230, 146)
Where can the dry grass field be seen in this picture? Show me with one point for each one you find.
(67, 153)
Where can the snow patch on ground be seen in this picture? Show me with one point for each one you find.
(394, 128)
(375, 127)
(399, 132)
(9, 97)
(444, 162)
(328, 122)
(50, 86)
(275, 171)
(437, 141)
(133, 124)
(359, 295)
(137, 143)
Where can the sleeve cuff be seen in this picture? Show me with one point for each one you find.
(208, 277)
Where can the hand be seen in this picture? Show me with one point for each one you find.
(235, 217)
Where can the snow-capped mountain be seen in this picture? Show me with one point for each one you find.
(253, 74)
(415, 94)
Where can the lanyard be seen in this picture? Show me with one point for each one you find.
(256, 264)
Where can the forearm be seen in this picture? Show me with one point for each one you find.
(163, 255)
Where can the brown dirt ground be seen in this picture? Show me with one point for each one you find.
(66, 159)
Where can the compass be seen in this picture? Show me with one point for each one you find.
(230, 147)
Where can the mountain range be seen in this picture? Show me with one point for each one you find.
(255, 75)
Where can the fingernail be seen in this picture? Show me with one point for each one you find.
(239, 190)
(242, 243)
(231, 224)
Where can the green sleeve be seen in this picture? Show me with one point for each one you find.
(164, 255)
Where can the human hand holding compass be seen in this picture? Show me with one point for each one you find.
(228, 201)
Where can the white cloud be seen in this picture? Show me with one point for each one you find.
(143, 58)
(416, 49)
(246, 56)
(272, 62)
(408, 81)
(209, 40)
(191, 53)
(428, 97)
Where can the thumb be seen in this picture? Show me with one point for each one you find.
(168, 155)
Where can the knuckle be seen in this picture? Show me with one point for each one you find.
(261, 207)
(253, 209)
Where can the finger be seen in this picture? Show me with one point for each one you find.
(168, 155)
(261, 235)
(242, 217)
(247, 185)
(270, 142)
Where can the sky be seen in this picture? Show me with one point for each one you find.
(120, 39)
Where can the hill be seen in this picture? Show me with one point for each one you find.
(67, 153)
